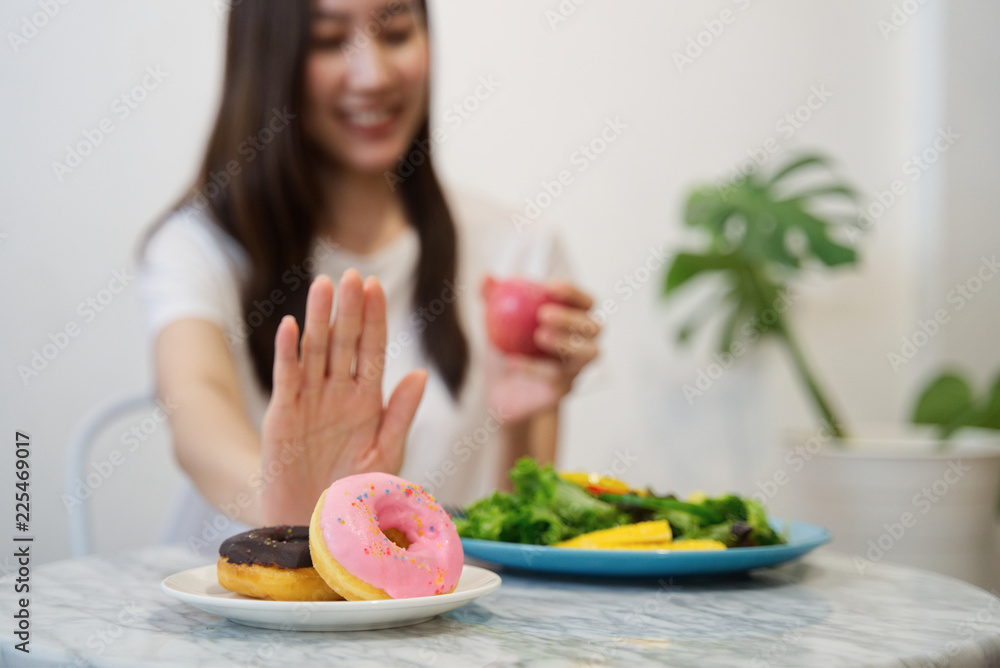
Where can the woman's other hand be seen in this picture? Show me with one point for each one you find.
(326, 418)
(526, 386)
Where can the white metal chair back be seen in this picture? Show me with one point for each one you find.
(87, 433)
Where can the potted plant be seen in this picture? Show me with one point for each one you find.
(949, 403)
(897, 492)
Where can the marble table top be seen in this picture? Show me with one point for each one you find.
(109, 611)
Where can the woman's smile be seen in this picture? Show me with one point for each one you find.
(372, 122)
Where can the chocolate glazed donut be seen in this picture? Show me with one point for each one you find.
(282, 546)
(272, 563)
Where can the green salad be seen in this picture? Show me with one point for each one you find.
(545, 509)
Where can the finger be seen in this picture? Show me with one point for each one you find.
(347, 325)
(487, 286)
(315, 340)
(371, 349)
(286, 374)
(569, 294)
(568, 319)
(569, 347)
(402, 407)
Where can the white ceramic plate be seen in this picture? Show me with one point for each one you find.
(200, 587)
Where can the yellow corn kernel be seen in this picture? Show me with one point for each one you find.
(596, 481)
(694, 544)
(586, 480)
(689, 545)
(657, 531)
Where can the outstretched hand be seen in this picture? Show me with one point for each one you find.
(326, 418)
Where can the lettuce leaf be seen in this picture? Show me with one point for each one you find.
(543, 510)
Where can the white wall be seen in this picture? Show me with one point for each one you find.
(558, 86)
(971, 206)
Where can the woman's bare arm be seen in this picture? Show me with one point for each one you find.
(531, 390)
(214, 441)
(543, 436)
(323, 422)
(537, 437)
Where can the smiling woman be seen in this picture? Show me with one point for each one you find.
(363, 104)
(267, 418)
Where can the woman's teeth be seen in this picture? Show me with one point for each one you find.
(369, 118)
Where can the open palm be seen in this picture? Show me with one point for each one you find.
(326, 418)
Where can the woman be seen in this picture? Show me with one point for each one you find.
(319, 165)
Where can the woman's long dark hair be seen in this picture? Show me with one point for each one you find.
(271, 205)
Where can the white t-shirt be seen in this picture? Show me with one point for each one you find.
(193, 269)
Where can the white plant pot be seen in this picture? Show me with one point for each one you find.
(894, 494)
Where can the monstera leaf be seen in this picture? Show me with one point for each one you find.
(757, 238)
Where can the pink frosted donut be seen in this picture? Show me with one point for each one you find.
(421, 555)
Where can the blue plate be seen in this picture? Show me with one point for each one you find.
(802, 538)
